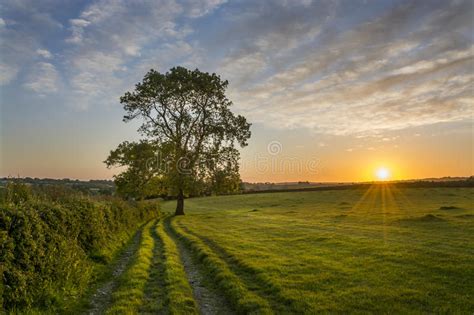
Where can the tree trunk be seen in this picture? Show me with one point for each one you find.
(180, 203)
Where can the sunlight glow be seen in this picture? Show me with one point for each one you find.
(382, 173)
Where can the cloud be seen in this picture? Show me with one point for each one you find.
(122, 26)
(24, 25)
(198, 8)
(7, 73)
(339, 68)
(109, 39)
(43, 79)
(77, 30)
(44, 53)
(239, 70)
(402, 68)
(107, 43)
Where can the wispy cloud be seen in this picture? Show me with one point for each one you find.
(7, 73)
(44, 53)
(332, 67)
(401, 69)
(43, 79)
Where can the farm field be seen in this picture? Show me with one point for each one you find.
(382, 249)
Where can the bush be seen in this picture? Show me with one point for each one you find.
(51, 241)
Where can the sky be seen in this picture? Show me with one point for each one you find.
(334, 89)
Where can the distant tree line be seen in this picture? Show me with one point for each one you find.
(91, 187)
(261, 188)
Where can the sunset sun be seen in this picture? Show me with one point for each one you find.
(382, 173)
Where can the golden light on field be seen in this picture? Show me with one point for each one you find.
(382, 173)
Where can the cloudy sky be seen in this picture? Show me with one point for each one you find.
(340, 87)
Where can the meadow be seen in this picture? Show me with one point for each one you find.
(373, 249)
(381, 249)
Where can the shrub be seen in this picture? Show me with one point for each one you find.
(51, 241)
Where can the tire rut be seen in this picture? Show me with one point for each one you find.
(155, 296)
(265, 290)
(209, 302)
(102, 298)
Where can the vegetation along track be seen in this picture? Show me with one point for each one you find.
(176, 271)
(163, 277)
(102, 298)
(128, 296)
(253, 278)
(243, 299)
(208, 300)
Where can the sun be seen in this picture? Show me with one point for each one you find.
(382, 173)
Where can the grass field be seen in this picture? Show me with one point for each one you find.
(382, 249)
(377, 250)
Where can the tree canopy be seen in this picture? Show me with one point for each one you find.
(191, 131)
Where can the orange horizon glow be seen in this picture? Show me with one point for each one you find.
(413, 157)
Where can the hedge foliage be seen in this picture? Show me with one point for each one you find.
(52, 240)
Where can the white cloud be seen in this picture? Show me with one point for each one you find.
(365, 78)
(77, 30)
(7, 73)
(241, 69)
(446, 58)
(198, 8)
(43, 79)
(44, 53)
(109, 35)
(287, 64)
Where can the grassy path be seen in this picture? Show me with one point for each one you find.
(102, 298)
(128, 296)
(162, 277)
(207, 299)
(169, 269)
(154, 294)
(241, 298)
(254, 279)
(179, 295)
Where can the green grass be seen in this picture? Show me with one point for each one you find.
(155, 300)
(385, 249)
(179, 295)
(129, 296)
(241, 298)
(102, 272)
(155, 281)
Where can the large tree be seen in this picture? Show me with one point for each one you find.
(187, 115)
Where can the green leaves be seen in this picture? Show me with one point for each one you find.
(186, 114)
(49, 245)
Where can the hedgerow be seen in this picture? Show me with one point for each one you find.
(51, 242)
